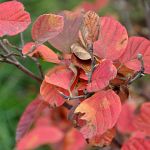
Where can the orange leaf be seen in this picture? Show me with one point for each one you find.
(112, 39)
(41, 51)
(105, 72)
(13, 18)
(46, 27)
(100, 113)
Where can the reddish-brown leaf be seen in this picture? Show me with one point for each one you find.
(137, 45)
(136, 143)
(40, 136)
(41, 51)
(125, 121)
(104, 139)
(13, 18)
(29, 116)
(98, 113)
(51, 95)
(90, 27)
(46, 27)
(72, 23)
(105, 72)
(142, 120)
(60, 76)
(112, 39)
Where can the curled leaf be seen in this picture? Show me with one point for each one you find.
(13, 18)
(90, 27)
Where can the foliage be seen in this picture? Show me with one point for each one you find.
(89, 84)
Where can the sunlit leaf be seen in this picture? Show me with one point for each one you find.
(13, 18)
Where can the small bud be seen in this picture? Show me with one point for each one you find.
(139, 56)
(5, 41)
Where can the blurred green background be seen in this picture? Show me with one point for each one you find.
(17, 89)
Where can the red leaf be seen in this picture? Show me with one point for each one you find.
(125, 121)
(100, 113)
(135, 143)
(142, 120)
(40, 136)
(60, 76)
(41, 51)
(105, 72)
(104, 139)
(74, 140)
(50, 94)
(72, 23)
(46, 27)
(29, 116)
(112, 40)
(13, 18)
(135, 46)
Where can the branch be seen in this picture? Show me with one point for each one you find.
(140, 73)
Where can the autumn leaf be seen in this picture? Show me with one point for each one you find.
(40, 136)
(90, 27)
(30, 114)
(46, 27)
(40, 51)
(137, 45)
(105, 72)
(125, 122)
(13, 18)
(69, 35)
(60, 76)
(51, 95)
(112, 39)
(104, 139)
(136, 143)
(74, 140)
(142, 120)
(99, 113)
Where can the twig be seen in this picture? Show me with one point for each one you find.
(39, 67)
(22, 39)
(140, 73)
(74, 97)
(90, 50)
